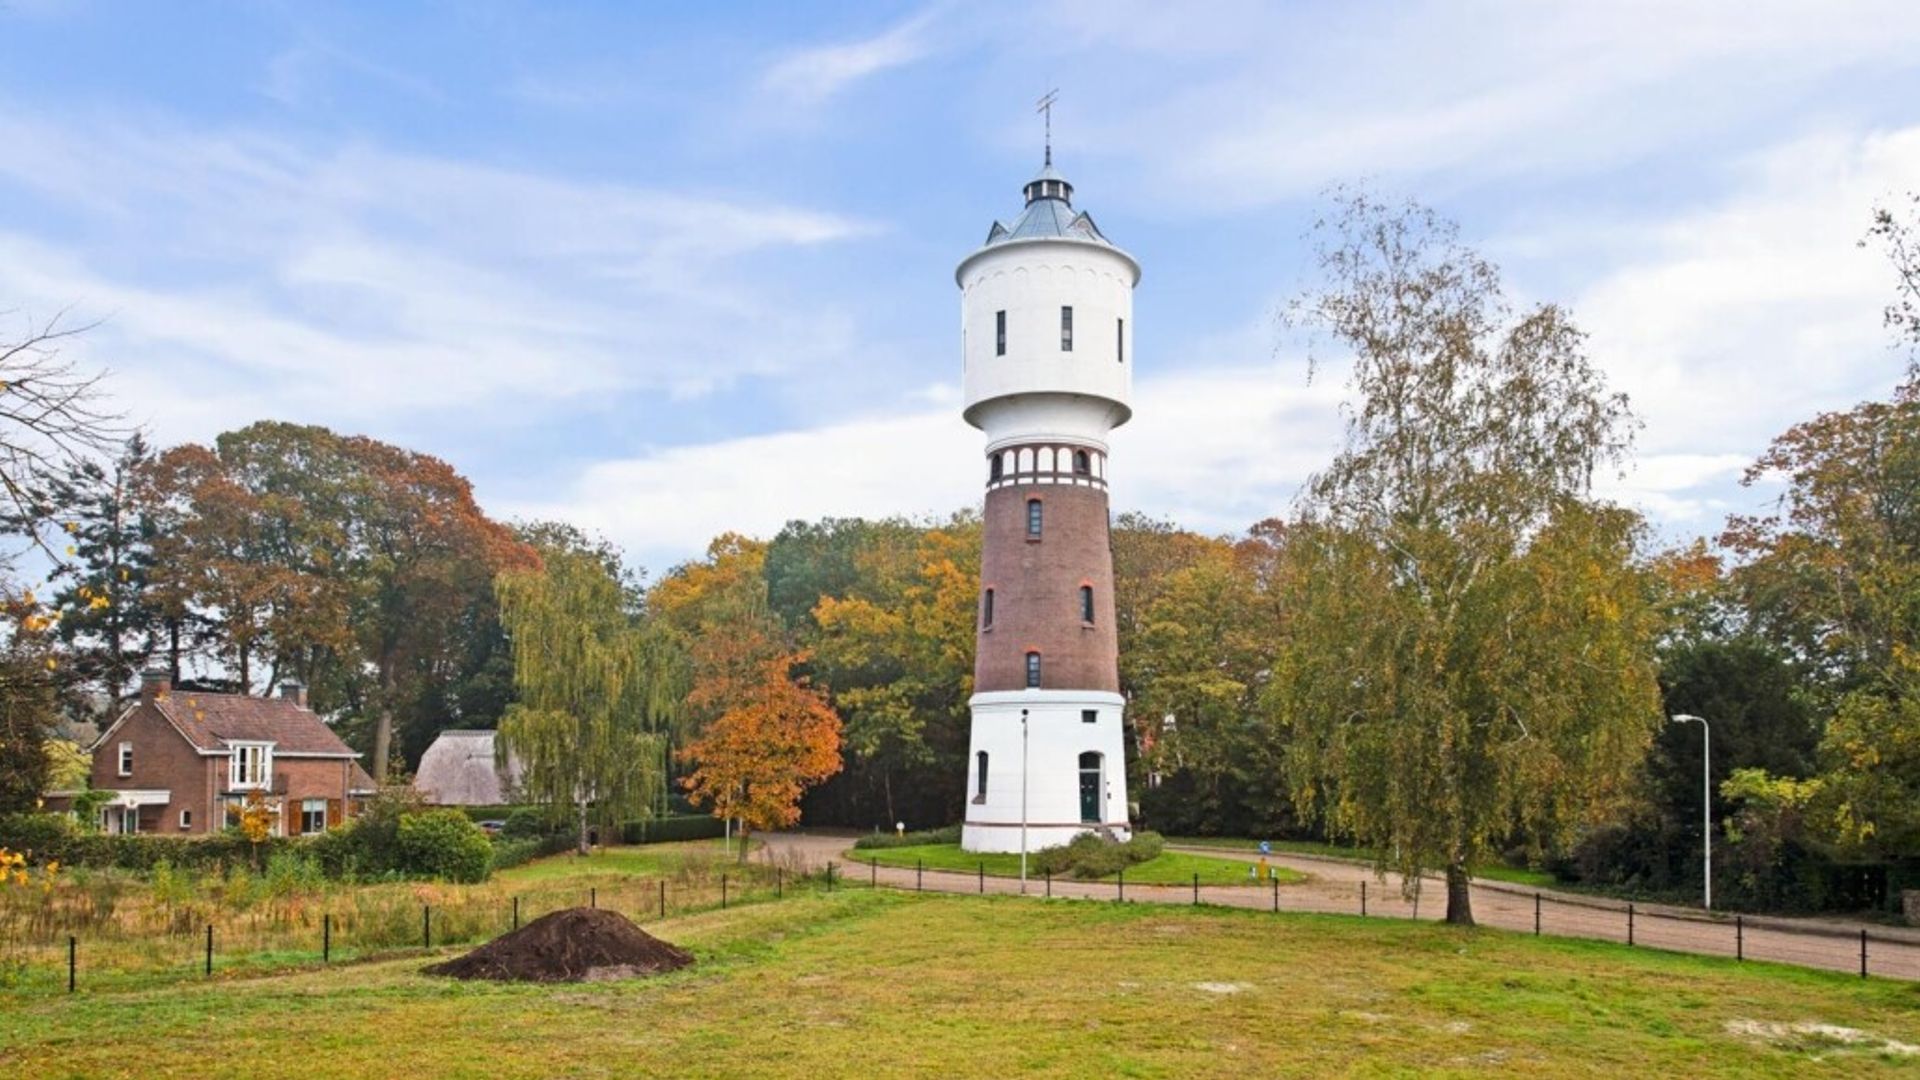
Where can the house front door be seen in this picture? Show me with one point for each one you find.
(1090, 787)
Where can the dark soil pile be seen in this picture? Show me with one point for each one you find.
(572, 945)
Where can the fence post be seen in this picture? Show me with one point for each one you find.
(1275, 880)
(1196, 889)
(426, 926)
(873, 874)
(919, 869)
(1536, 914)
(593, 897)
(73, 960)
(778, 888)
(983, 878)
(326, 938)
(1629, 924)
(516, 913)
(1123, 884)
(663, 898)
(723, 892)
(209, 948)
(1049, 873)
(1739, 938)
(1863, 952)
(829, 875)
(1363, 898)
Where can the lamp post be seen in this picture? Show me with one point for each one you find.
(1023, 801)
(1706, 794)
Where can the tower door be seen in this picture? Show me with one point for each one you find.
(1090, 787)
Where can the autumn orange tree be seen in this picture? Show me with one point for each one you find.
(755, 760)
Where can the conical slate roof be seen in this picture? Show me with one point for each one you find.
(1049, 214)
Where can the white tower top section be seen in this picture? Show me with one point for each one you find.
(1046, 312)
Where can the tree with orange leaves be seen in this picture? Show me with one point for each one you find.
(757, 758)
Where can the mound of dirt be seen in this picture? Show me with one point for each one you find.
(572, 945)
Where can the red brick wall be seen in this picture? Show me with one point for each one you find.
(1036, 588)
(162, 759)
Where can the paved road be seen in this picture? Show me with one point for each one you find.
(1338, 886)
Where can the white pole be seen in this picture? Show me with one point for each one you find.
(1706, 795)
(1023, 800)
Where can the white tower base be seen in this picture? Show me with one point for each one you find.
(1076, 769)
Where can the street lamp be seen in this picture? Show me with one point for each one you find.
(1023, 801)
(1706, 793)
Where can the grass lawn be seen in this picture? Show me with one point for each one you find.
(1170, 868)
(649, 860)
(894, 984)
(1514, 875)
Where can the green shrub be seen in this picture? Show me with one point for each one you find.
(525, 823)
(443, 844)
(508, 853)
(1091, 855)
(678, 827)
(949, 834)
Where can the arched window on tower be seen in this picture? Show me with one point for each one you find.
(1086, 604)
(980, 776)
(1033, 670)
(1033, 519)
(994, 468)
(1082, 463)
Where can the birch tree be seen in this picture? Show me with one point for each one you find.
(1470, 655)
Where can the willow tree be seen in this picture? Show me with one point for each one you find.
(1468, 654)
(589, 728)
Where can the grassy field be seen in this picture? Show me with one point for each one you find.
(1170, 868)
(893, 984)
(1514, 875)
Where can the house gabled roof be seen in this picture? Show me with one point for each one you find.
(460, 769)
(213, 722)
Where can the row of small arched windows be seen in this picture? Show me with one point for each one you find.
(1082, 465)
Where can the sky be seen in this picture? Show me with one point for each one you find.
(666, 271)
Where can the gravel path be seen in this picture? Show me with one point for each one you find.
(1338, 886)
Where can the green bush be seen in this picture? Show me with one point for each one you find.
(949, 834)
(48, 837)
(1091, 855)
(508, 853)
(525, 823)
(678, 827)
(443, 844)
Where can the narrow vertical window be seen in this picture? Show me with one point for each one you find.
(993, 469)
(1086, 603)
(126, 759)
(1033, 519)
(1082, 463)
(1033, 670)
(980, 777)
(1000, 333)
(1120, 341)
(1066, 329)
(986, 611)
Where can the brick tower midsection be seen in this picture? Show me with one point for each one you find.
(1047, 340)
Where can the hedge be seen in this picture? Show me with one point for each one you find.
(665, 829)
(53, 837)
(947, 835)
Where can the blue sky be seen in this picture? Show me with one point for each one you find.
(665, 270)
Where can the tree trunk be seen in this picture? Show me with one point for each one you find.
(173, 651)
(743, 841)
(1459, 895)
(583, 848)
(383, 727)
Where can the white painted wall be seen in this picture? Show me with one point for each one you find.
(1031, 281)
(1057, 736)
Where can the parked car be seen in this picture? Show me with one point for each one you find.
(491, 828)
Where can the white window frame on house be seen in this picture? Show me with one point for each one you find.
(126, 759)
(250, 767)
(186, 819)
(309, 807)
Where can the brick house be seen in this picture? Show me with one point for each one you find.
(181, 762)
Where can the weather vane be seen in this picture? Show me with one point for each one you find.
(1045, 108)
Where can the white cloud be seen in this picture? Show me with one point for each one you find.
(1215, 450)
(353, 283)
(810, 77)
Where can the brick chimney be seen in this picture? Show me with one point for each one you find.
(154, 681)
(295, 691)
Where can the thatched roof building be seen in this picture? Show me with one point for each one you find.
(459, 770)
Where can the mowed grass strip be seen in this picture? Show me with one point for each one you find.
(891, 984)
(1169, 868)
(1514, 875)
